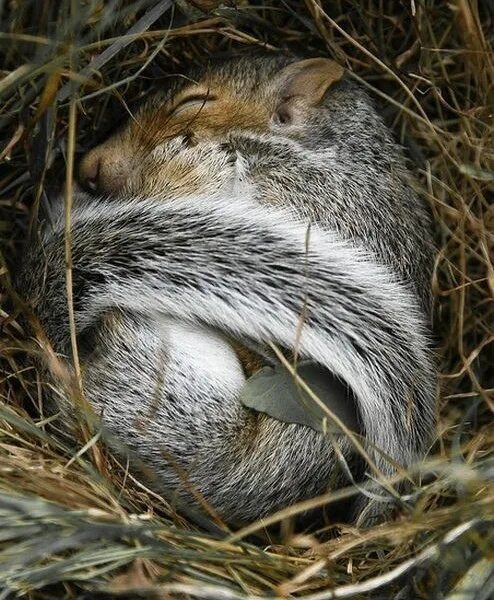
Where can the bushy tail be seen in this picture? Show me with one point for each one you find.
(248, 270)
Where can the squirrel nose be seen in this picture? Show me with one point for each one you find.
(89, 173)
(100, 173)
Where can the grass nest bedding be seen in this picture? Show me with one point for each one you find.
(73, 521)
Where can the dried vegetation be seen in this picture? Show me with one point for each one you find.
(73, 522)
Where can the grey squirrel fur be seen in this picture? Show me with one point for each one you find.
(162, 276)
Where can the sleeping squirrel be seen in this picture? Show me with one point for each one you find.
(247, 194)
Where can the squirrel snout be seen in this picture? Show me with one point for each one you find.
(101, 173)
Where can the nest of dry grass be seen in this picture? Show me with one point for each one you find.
(73, 522)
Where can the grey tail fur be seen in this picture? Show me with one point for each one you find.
(249, 271)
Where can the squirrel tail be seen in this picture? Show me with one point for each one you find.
(251, 272)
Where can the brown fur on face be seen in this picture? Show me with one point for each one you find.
(177, 144)
(125, 163)
(216, 115)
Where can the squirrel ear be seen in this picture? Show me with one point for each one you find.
(305, 82)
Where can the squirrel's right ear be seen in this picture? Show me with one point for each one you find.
(303, 84)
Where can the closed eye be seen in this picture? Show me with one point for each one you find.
(194, 100)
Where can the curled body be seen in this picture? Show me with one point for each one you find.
(236, 235)
(148, 274)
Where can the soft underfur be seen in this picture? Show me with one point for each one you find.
(160, 276)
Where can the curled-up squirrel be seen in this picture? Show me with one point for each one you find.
(201, 236)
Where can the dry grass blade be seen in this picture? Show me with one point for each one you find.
(73, 521)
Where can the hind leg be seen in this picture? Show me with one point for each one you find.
(169, 391)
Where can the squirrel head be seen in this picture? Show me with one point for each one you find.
(177, 143)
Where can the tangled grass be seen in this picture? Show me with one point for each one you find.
(73, 521)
